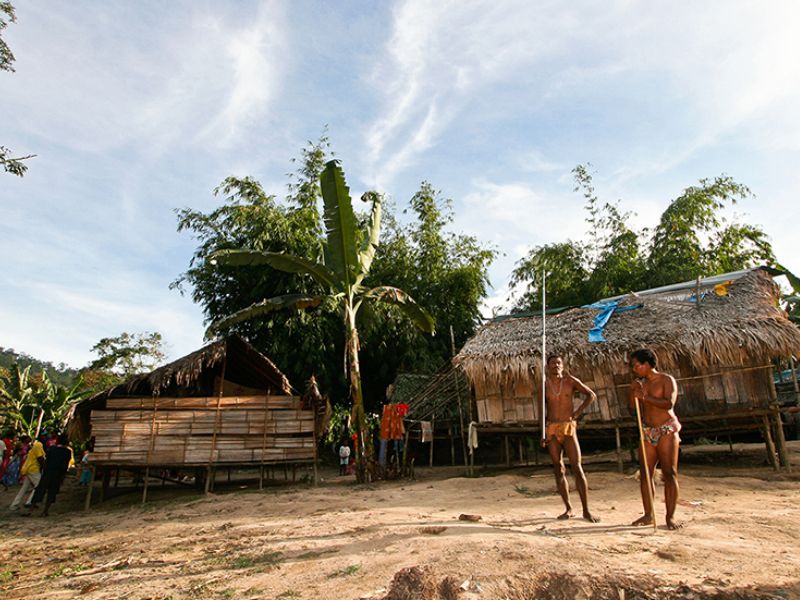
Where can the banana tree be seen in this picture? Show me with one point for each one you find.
(345, 263)
(17, 396)
(55, 400)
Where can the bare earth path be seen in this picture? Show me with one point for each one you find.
(741, 540)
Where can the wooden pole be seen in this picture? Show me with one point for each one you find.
(643, 460)
(88, 502)
(620, 463)
(544, 355)
(765, 430)
(458, 397)
(150, 449)
(216, 422)
(793, 363)
(452, 446)
(783, 453)
(264, 446)
(433, 429)
(507, 450)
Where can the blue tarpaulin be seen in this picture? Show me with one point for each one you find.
(601, 320)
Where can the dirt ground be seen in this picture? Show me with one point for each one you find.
(404, 539)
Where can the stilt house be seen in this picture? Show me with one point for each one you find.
(717, 336)
(225, 404)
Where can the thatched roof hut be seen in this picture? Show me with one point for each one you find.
(225, 403)
(719, 349)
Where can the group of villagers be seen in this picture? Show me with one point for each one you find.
(652, 394)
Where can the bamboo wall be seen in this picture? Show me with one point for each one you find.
(707, 391)
(194, 431)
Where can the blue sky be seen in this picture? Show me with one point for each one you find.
(137, 108)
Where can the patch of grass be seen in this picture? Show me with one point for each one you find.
(228, 593)
(289, 594)
(526, 491)
(6, 575)
(345, 572)
(61, 571)
(268, 559)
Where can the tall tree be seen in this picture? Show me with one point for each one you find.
(348, 253)
(692, 238)
(445, 272)
(301, 343)
(12, 165)
(129, 353)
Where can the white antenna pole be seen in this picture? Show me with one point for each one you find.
(544, 357)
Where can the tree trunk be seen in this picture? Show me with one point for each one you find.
(364, 446)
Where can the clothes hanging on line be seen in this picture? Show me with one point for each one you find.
(392, 427)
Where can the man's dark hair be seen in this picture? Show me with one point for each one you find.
(63, 439)
(553, 356)
(644, 355)
(25, 439)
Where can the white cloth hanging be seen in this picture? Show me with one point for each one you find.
(472, 436)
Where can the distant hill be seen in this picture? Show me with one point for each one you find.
(60, 374)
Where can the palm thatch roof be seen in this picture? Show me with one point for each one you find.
(244, 365)
(729, 330)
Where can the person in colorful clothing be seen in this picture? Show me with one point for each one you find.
(656, 393)
(31, 470)
(58, 460)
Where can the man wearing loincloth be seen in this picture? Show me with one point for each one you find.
(562, 431)
(657, 393)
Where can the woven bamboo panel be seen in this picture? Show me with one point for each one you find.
(194, 431)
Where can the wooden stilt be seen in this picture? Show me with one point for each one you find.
(643, 463)
(452, 446)
(146, 481)
(88, 502)
(116, 477)
(620, 463)
(104, 485)
(433, 434)
(730, 439)
(765, 431)
(507, 448)
(521, 455)
(780, 439)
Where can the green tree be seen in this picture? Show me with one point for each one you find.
(348, 254)
(129, 354)
(564, 266)
(692, 238)
(17, 394)
(301, 343)
(55, 400)
(445, 272)
(12, 165)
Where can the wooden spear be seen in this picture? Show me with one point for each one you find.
(650, 490)
(544, 357)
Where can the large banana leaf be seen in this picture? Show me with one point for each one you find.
(297, 301)
(277, 260)
(341, 254)
(397, 297)
(370, 244)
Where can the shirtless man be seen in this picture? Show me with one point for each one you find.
(657, 393)
(562, 431)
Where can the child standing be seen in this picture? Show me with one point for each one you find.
(344, 458)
